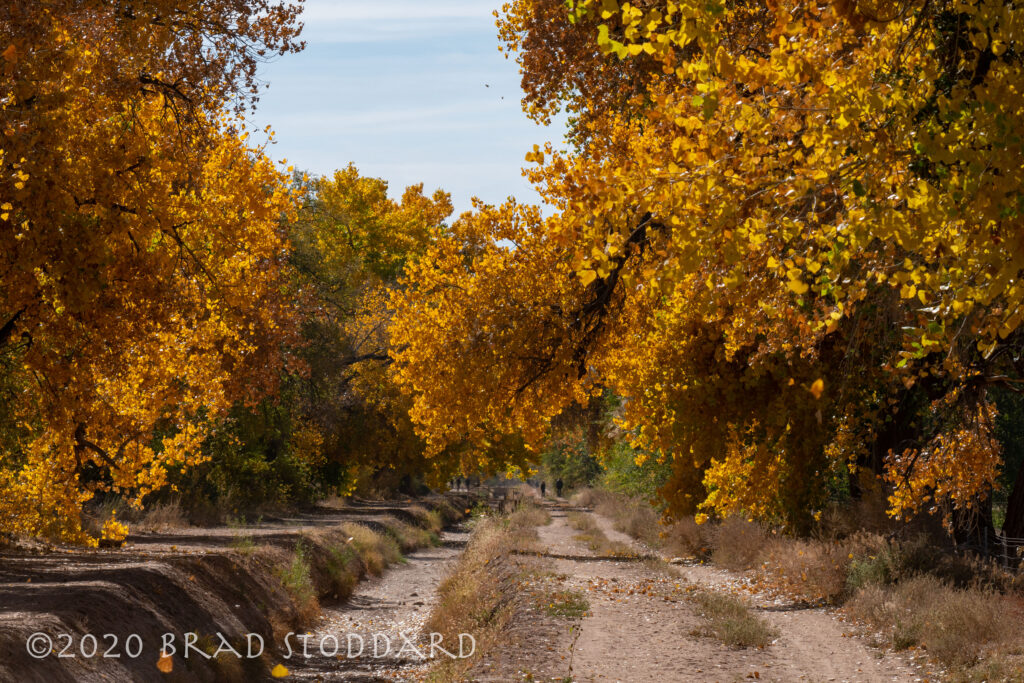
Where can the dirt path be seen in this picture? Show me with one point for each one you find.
(392, 608)
(641, 627)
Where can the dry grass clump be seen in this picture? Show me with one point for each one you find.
(686, 538)
(581, 521)
(633, 517)
(731, 621)
(527, 516)
(407, 536)
(814, 570)
(866, 515)
(161, 517)
(450, 511)
(587, 498)
(431, 520)
(956, 626)
(738, 543)
(376, 551)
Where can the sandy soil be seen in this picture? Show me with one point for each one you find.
(641, 627)
(813, 644)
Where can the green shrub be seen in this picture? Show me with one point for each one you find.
(568, 604)
(297, 580)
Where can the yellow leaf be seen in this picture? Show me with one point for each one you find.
(279, 671)
(587, 276)
(798, 286)
(818, 388)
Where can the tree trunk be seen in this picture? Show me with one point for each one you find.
(975, 532)
(1013, 527)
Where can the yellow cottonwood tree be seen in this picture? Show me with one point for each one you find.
(794, 229)
(141, 248)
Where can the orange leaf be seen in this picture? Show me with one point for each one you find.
(165, 663)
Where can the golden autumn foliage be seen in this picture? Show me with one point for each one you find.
(350, 242)
(788, 237)
(141, 247)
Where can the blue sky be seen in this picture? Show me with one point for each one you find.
(410, 91)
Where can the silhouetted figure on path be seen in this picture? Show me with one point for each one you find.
(543, 488)
(558, 487)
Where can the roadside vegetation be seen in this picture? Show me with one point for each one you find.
(905, 590)
(729, 620)
(497, 583)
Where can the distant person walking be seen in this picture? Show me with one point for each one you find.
(543, 488)
(558, 487)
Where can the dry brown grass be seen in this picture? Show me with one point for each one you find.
(633, 517)
(154, 517)
(431, 520)
(527, 516)
(731, 621)
(739, 544)
(161, 517)
(956, 626)
(814, 570)
(479, 596)
(587, 498)
(686, 538)
(376, 551)
(409, 537)
(580, 521)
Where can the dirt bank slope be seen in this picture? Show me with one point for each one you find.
(214, 582)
